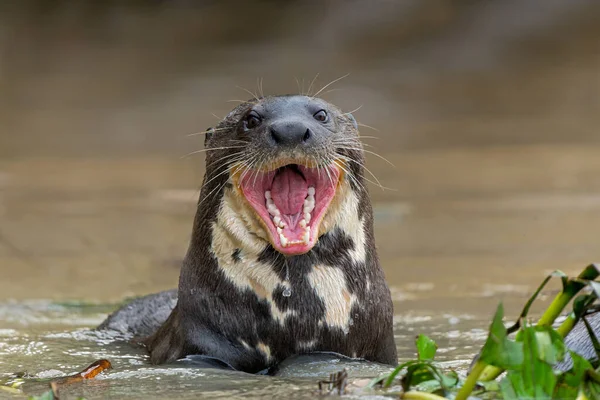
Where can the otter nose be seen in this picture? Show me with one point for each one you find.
(290, 133)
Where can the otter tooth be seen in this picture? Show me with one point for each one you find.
(283, 240)
(276, 220)
(311, 191)
(281, 224)
(306, 217)
(273, 210)
(309, 204)
(306, 236)
(268, 194)
(279, 230)
(302, 222)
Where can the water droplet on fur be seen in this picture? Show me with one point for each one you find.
(351, 322)
(287, 292)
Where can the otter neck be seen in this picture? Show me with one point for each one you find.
(242, 255)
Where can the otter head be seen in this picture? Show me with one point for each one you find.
(286, 158)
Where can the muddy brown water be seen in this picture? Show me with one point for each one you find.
(457, 237)
(496, 177)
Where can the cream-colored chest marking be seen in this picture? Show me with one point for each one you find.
(330, 285)
(265, 350)
(229, 233)
(343, 214)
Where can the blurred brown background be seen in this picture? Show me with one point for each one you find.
(488, 109)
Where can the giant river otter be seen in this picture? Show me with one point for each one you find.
(282, 259)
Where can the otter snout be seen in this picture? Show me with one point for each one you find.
(290, 133)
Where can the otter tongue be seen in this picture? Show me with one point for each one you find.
(288, 191)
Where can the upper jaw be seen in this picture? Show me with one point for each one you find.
(290, 200)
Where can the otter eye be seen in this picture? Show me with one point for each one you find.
(321, 116)
(252, 120)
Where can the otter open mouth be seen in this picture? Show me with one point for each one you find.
(291, 201)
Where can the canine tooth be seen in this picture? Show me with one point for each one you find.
(302, 222)
(268, 194)
(283, 240)
(306, 217)
(311, 191)
(306, 236)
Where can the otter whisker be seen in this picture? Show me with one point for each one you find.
(212, 149)
(311, 84)
(232, 158)
(350, 175)
(369, 137)
(216, 190)
(245, 142)
(329, 176)
(262, 160)
(226, 170)
(331, 90)
(353, 111)
(206, 131)
(329, 84)
(259, 83)
(352, 142)
(366, 126)
(362, 165)
(250, 167)
(249, 92)
(370, 152)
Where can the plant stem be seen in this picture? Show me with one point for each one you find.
(581, 395)
(490, 373)
(567, 325)
(556, 307)
(471, 381)
(421, 396)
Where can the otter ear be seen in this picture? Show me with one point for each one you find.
(208, 135)
(351, 118)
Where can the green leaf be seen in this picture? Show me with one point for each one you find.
(542, 348)
(593, 337)
(590, 272)
(44, 396)
(498, 350)
(389, 379)
(416, 374)
(550, 346)
(426, 348)
(576, 375)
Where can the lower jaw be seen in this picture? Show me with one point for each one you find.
(295, 247)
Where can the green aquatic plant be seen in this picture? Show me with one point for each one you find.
(529, 354)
